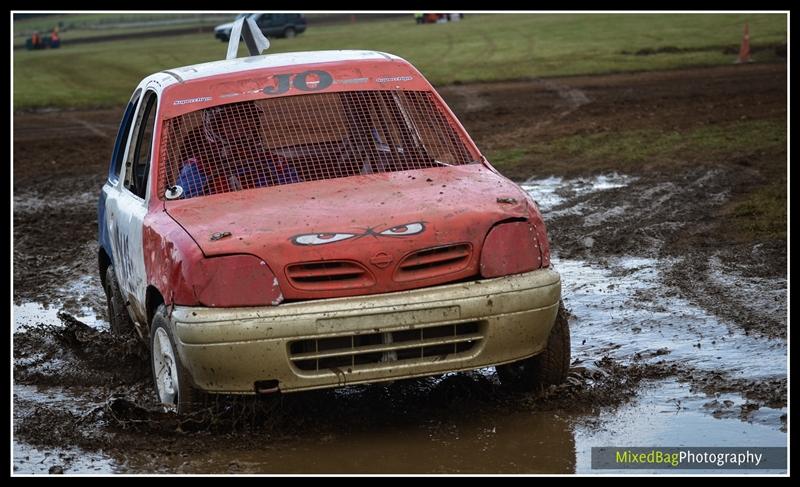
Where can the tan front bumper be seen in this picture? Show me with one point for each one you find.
(229, 349)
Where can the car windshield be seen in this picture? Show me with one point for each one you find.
(286, 140)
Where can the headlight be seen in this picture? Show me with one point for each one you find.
(235, 280)
(511, 248)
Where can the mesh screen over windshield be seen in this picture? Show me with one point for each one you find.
(305, 138)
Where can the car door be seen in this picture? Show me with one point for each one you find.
(126, 206)
(114, 169)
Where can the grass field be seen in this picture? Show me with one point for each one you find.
(70, 23)
(759, 214)
(483, 47)
(625, 150)
(73, 27)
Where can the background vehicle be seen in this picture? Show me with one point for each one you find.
(272, 25)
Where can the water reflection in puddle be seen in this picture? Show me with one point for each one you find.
(671, 415)
(620, 311)
(666, 413)
(551, 192)
(32, 460)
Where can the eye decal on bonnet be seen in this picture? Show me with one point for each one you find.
(403, 230)
(321, 238)
(326, 238)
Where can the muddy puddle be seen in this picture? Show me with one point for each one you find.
(31, 460)
(620, 312)
(33, 314)
(650, 367)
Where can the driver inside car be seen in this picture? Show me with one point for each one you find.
(227, 153)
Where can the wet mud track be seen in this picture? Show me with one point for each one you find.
(665, 349)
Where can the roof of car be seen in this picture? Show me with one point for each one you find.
(230, 66)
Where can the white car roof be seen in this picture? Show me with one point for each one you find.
(197, 71)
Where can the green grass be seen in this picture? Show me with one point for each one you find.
(762, 214)
(81, 34)
(641, 145)
(486, 47)
(68, 22)
(83, 26)
(633, 150)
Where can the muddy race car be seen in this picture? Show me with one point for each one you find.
(310, 220)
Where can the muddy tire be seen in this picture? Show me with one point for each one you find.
(172, 383)
(547, 368)
(118, 316)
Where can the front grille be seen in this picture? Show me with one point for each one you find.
(432, 343)
(329, 275)
(438, 261)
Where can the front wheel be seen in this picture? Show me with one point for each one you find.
(289, 33)
(548, 367)
(172, 382)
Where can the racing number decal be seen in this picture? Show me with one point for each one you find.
(319, 80)
(124, 265)
(313, 80)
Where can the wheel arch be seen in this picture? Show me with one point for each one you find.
(153, 299)
(103, 263)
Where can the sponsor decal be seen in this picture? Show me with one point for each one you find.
(192, 100)
(394, 78)
(351, 81)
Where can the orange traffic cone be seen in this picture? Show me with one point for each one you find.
(744, 51)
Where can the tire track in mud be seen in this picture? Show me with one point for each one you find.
(473, 99)
(598, 224)
(70, 126)
(651, 217)
(573, 97)
(91, 127)
(758, 305)
(471, 96)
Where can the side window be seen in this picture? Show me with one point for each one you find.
(137, 165)
(264, 20)
(122, 138)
